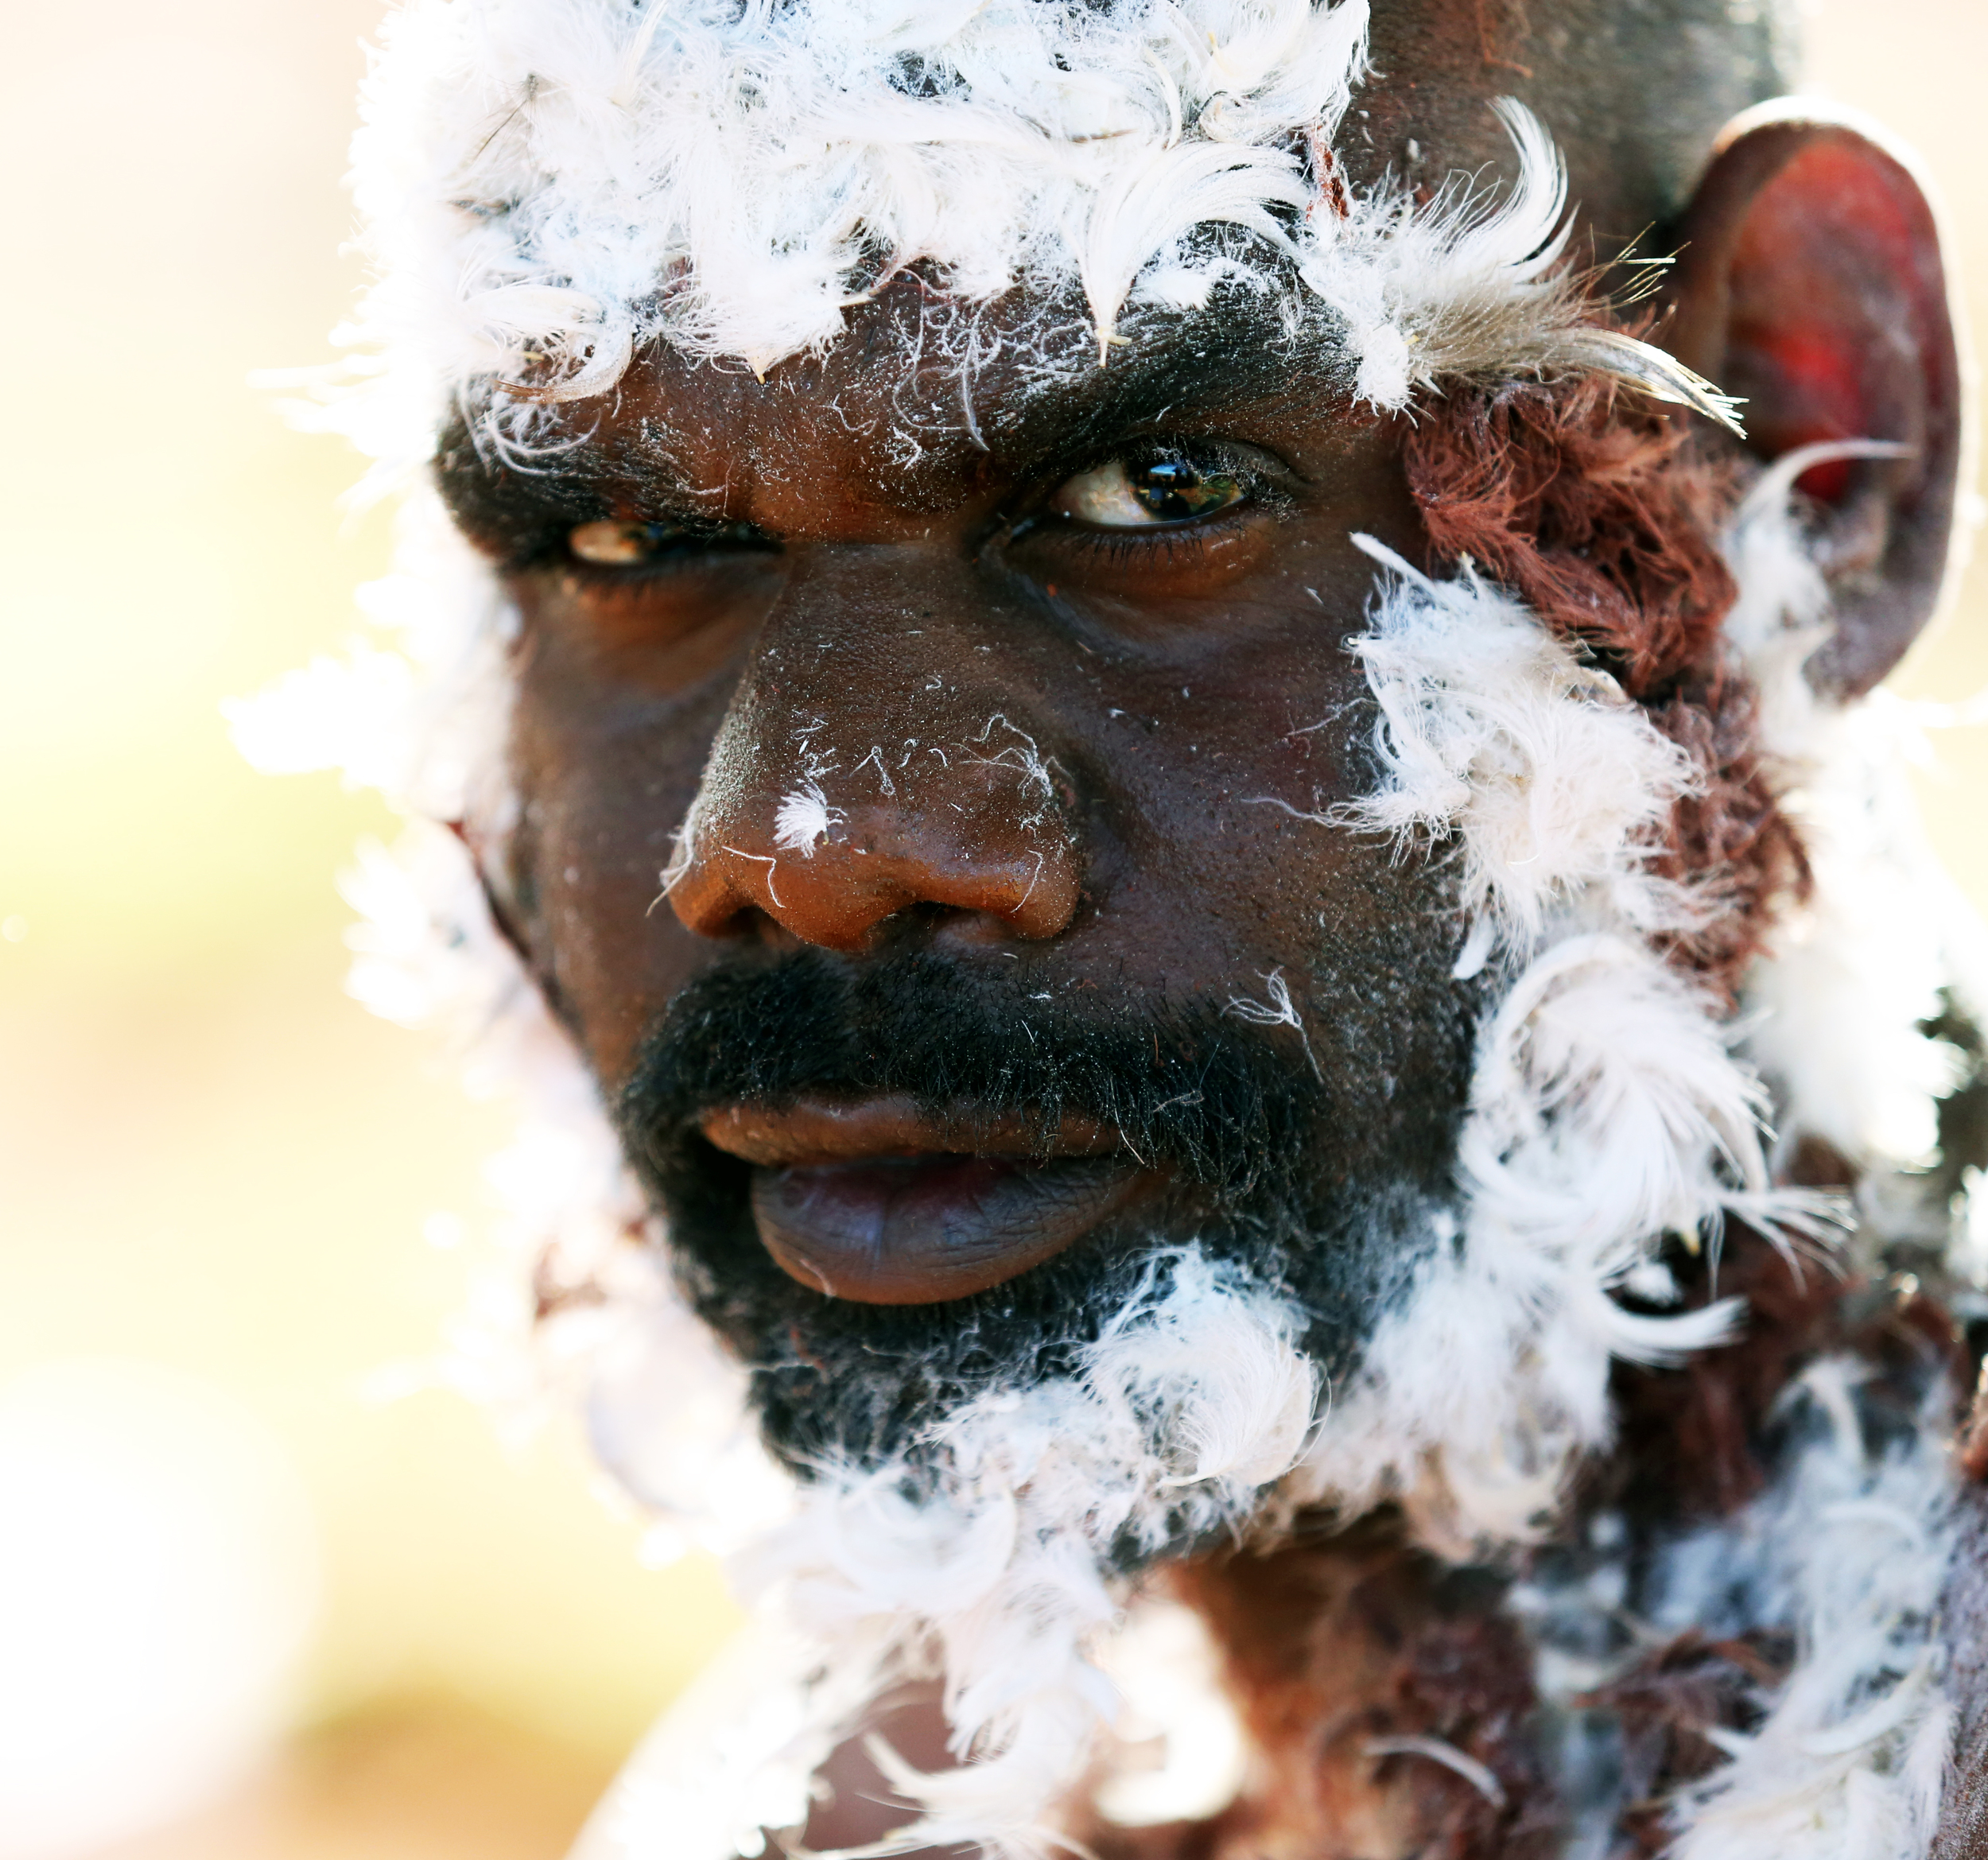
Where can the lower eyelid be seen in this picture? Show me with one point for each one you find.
(1161, 540)
(1184, 544)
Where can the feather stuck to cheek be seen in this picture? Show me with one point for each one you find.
(1606, 522)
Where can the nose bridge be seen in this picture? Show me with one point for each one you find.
(873, 758)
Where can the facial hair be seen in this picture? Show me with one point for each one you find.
(1307, 1169)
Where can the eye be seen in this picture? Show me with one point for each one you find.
(1134, 494)
(621, 543)
(617, 545)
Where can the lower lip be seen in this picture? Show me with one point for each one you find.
(923, 1229)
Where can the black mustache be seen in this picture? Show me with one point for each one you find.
(1208, 1095)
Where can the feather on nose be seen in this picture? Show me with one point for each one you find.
(976, 833)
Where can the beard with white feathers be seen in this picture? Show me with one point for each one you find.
(1002, 1545)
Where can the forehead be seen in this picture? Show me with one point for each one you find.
(552, 189)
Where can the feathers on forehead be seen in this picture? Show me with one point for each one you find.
(547, 184)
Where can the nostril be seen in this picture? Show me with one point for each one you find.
(924, 914)
(706, 897)
(925, 920)
(957, 924)
(748, 923)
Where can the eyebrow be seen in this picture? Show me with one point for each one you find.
(1024, 413)
(1239, 350)
(516, 511)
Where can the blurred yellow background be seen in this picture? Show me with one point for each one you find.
(210, 1161)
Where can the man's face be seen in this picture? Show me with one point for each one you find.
(926, 758)
(1007, 937)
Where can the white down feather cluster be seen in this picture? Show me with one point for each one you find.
(1610, 1108)
(545, 185)
(1850, 1550)
(1608, 1112)
(1193, 1401)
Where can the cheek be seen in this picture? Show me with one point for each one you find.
(1223, 881)
(605, 777)
(1219, 858)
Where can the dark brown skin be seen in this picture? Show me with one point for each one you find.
(1070, 748)
(1082, 739)
(892, 624)
(1174, 684)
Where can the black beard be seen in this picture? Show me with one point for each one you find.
(1317, 1178)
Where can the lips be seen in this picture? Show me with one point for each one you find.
(881, 1202)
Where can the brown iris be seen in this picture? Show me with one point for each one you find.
(1125, 494)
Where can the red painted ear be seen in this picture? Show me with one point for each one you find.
(1810, 281)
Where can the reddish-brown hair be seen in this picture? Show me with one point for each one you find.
(1603, 516)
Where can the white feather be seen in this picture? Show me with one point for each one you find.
(1192, 1401)
(803, 819)
(545, 184)
(1608, 1111)
(1556, 785)
(1852, 975)
(1850, 1550)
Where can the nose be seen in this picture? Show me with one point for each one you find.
(874, 759)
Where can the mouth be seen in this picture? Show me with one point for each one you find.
(881, 1202)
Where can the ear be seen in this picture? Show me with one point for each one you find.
(1810, 282)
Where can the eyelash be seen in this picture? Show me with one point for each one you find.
(692, 552)
(1160, 545)
(1165, 545)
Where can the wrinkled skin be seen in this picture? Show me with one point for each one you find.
(1167, 680)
